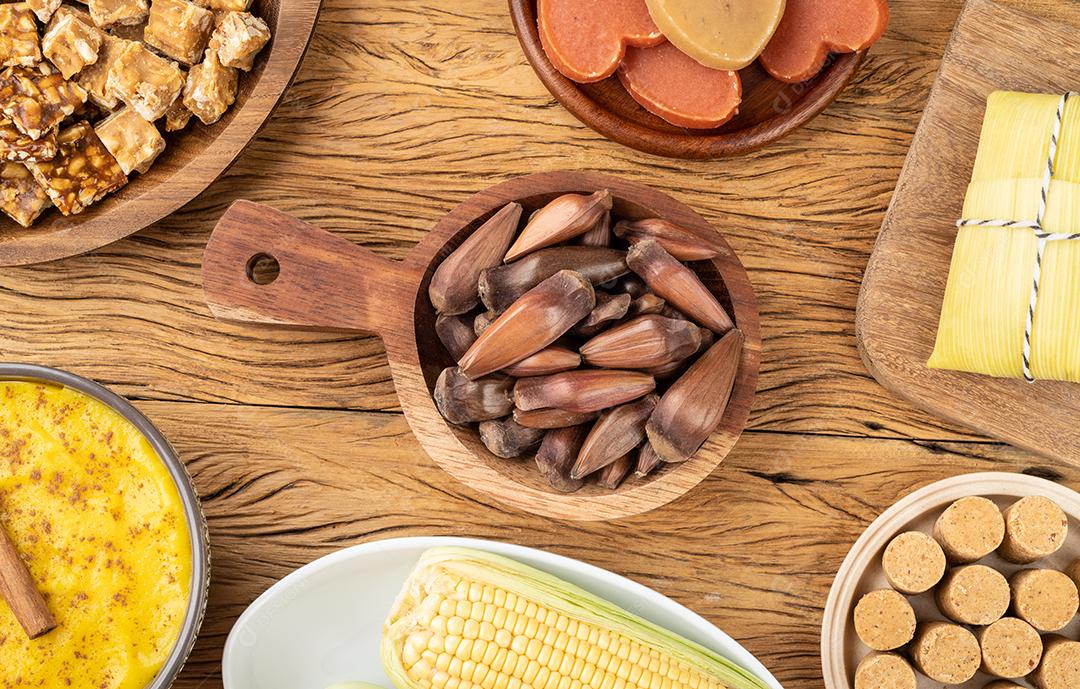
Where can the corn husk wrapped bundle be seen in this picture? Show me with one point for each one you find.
(1013, 284)
(468, 619)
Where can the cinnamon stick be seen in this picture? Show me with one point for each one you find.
(18, 589)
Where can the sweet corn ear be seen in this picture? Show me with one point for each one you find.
(467, 619)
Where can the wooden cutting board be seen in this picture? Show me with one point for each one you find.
(992, 47)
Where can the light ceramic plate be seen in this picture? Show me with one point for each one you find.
(322, 623)
(841, 649)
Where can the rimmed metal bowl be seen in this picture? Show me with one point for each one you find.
(196, 521)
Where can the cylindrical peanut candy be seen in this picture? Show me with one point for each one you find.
(1060, 666)
(884, 671)
(1011, 648)
(973, 594)
(946, 653)
(1035, 527)
(1044, 598)
(913, 563)
(884, 620)
(969, 529)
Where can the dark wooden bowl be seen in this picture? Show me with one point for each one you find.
(770, 108)
(193, 159)
(325, 281)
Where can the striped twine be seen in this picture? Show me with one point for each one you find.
(1042, 235)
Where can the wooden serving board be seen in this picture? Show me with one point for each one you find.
(993, 47)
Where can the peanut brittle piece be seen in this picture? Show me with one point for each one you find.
(225, 5)
(179, 29)
(18, 36)
(238, 38)
(134, 142)
(146, 82)
(210, 89)
(109, 13)
(177, 116)
(18, 147)
(21, 197)
(69, 11)
(44, 9)
(38, 99)
(71, 46)
(82, 172)
(95, 77)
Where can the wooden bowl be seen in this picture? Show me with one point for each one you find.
(770, 108)
(193, 159)
(841, 649)
(324, 281)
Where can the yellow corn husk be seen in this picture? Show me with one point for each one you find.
(467, 619)
(986, 301)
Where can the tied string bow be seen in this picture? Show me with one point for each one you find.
(1041, 234)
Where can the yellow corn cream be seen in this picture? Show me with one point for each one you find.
(96, 516)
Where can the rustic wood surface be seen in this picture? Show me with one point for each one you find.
(400, 111)
(915, 247)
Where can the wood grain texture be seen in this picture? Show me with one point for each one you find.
(770, 109)
(326, 282)
(193, 159)
(905, 280)
(754, 548)
(401, 111)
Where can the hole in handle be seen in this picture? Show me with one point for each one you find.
(262, 269)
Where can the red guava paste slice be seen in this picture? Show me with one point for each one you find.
(670, 84)
(811, 29)
(586, 39)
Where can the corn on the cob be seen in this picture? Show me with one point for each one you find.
(468, 619)
(983, 318)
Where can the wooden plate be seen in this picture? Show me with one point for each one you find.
(841, 649)
(993, 47)
(193, 159)
(324, 281)
(770, 109)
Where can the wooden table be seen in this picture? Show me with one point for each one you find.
(401, 110)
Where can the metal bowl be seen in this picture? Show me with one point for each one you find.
(196, 521)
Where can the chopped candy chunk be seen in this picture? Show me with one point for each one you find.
(95, 77)
(177, 116)
(238, 38)
(18, 36)
(225, 5)
(69, 11)
(134, 142)
(18, 147)
(21, 197)
(179, 29)
(37, 100)
(82, 172)
(146, 82)
(109, 13)
(210, 89)
(71, 45)
(44, 9)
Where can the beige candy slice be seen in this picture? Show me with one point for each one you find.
(721, 34)
(913, 563)
(1011, 648)
(884, 620)
(1044, 598)
(1035, 527)
(973, 594)
(1060, 666)
(946, 653)
(969, 529)
(884, 671)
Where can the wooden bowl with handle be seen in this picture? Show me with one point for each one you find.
(770, 109)
(327, 282)
(192, 160)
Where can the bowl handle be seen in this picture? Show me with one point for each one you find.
(264, 266)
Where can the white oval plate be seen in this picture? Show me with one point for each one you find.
(322, 623)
